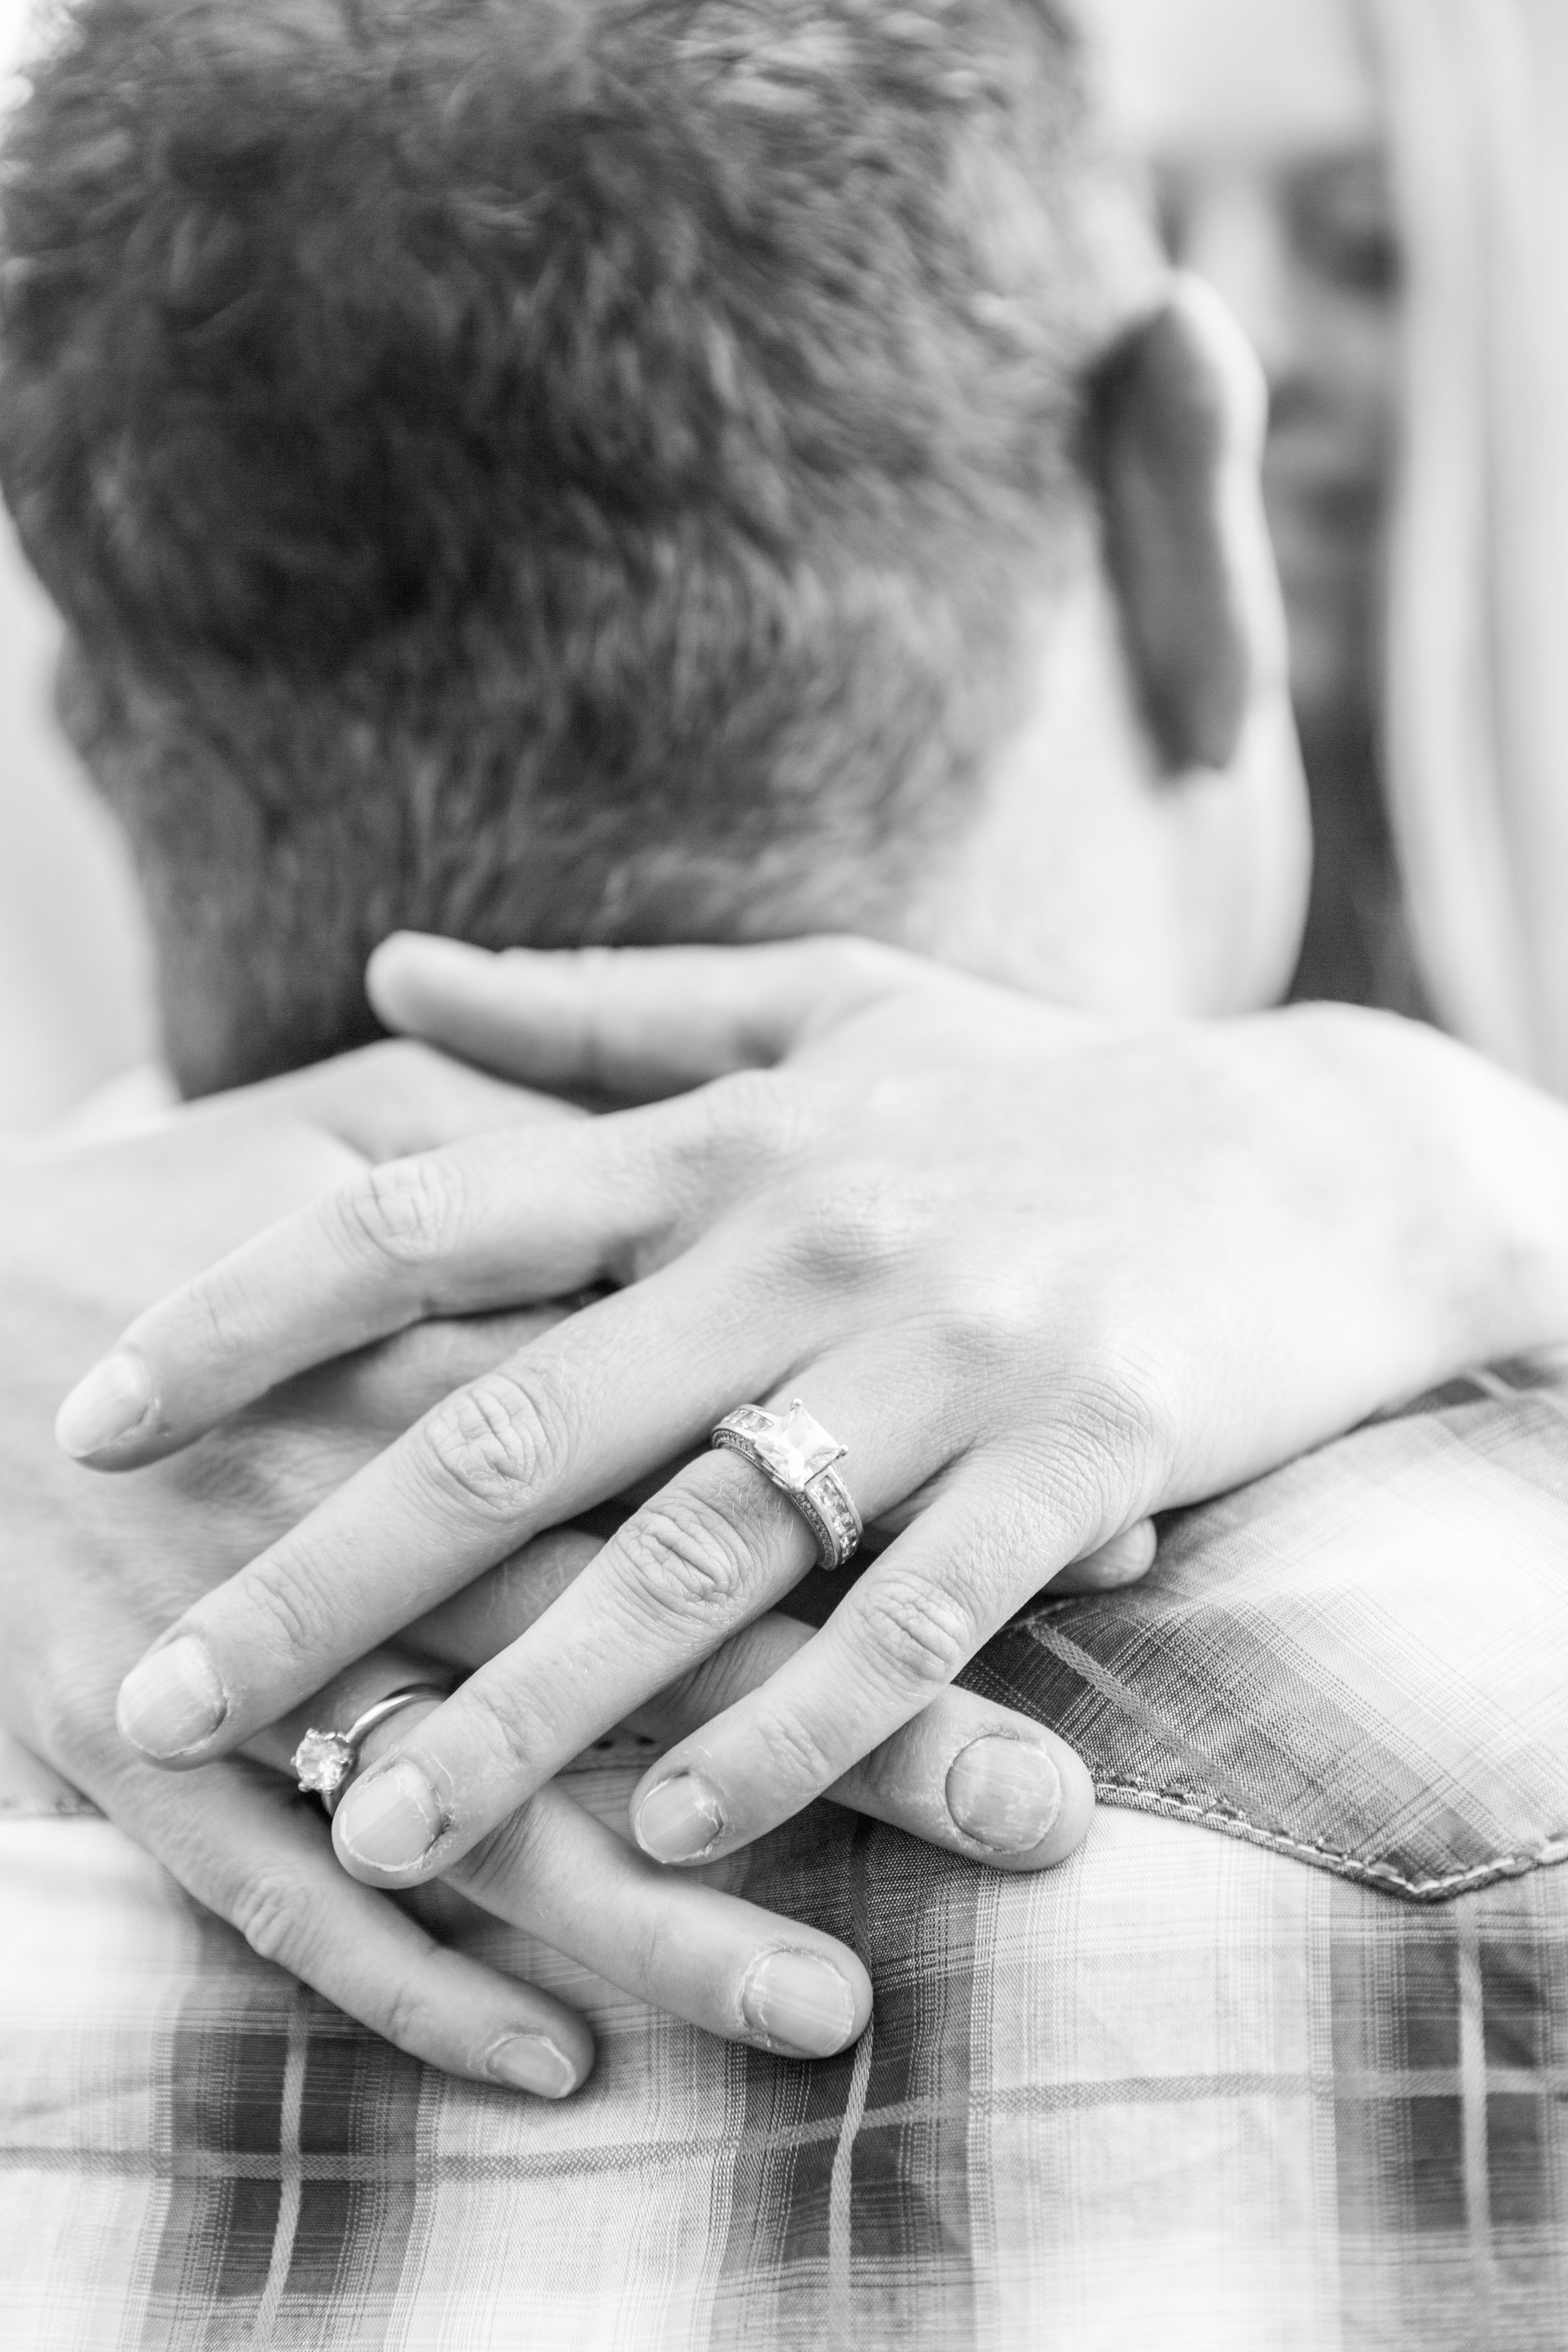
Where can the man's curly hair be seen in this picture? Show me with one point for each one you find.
(539, 470)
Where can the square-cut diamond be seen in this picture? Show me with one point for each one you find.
(798, 1448)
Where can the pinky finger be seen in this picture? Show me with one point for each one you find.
(237, 1839)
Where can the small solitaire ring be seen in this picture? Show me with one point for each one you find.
(324, 1760)
(797, 1454)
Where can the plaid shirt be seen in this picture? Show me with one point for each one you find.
(1301, 2083)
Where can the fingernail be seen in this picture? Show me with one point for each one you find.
(172, 1701)
(1005, 1793)
(678, 1820)
(113, 1400)
(530, 2062)
(799, 2003)
(391, 1818)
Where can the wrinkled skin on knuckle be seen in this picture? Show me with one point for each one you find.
(406, 2020)
(492, 1443)
(917, 1635)
(987, 1332)
(744, 1127)
(796, 1758)
(407, 1213)
(219, 1314)
(284, 1620)
(682, 1558)
(1115, 1439)
(861, 1229)
(276, 1915)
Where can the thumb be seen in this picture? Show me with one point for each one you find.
(627, 1023)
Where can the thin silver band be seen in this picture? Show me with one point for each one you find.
(823, 1499)
(324, 1760)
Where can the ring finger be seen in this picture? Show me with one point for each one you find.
(896, 1641)
(967, 1774)
(713, 1549)
(691, 1950)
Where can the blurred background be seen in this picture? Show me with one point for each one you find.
(1380, 190)
(75, 999)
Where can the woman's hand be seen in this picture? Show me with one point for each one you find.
(89, 1572)
(1042, 1275)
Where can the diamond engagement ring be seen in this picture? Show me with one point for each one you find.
(798, 1455)
(324, 1760)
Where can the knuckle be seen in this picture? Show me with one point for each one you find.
(917, 1635)
(275, 1913)
(864, 1230)
(987, 1328)
(283, 1610)
(1120, 1437)
(795, 1756)
(496, 1441)
(220, 1311)
(683, 1558)
(403, 2018)
(406, 1212)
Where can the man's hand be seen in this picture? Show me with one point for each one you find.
(1042, 1275)
(85, 1234)
(88, 1574)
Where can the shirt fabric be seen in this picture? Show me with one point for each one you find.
(1280, 2059)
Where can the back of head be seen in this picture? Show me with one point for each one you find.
(538, 469)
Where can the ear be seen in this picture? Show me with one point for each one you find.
(1177, 414)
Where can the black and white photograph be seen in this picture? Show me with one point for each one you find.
(784, 1176)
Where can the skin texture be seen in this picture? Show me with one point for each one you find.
(89, 1572)
(932, 1195)
(1089, 871)
(1146, 919)
(1076, 1243)
(927, 1173)
(895, 1187)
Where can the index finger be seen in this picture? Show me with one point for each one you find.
(244, 1845)
(628, 1023)
(503, 1220)
(694, 1951)
(606, 1396)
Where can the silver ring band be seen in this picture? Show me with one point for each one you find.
(799, 1456)
(324, 1760)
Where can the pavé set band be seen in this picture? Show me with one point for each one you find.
(797, 1454)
